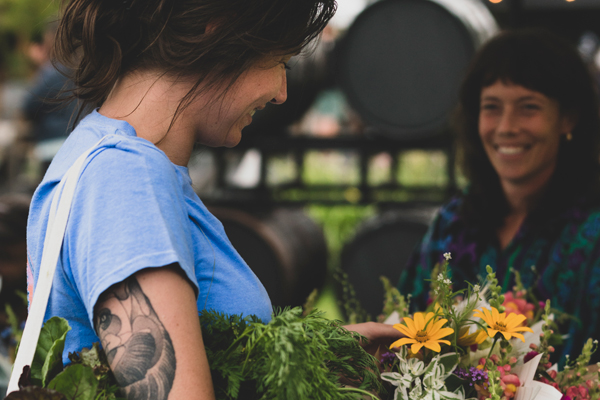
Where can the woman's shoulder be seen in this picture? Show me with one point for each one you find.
(584, 218)
(119, 150)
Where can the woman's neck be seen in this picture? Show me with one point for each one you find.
(148, 101)
(522, 199)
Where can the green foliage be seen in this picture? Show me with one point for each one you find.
(47, 361)
(35, 393)
(88, 377)
(393, 299)
(353, 310)
(95, 360)
(13, 321)
(339, 224)
(291, 357)
(496, 299)
(77, 382)
(20, 22)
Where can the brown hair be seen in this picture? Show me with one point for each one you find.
(213, 41)
(540, 61)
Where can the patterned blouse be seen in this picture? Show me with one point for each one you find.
(565, 253)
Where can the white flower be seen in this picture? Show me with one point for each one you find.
(412, 366)
(440, 278)
(476, 288)
(447, 281)
(401, 382)
(447, 256)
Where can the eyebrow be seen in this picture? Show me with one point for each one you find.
(524, 98)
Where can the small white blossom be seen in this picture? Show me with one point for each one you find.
(447, 256)
(447, 281)
(476, 288)
(440, 278)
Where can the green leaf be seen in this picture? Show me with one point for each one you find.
(449, 361)
(76, 382)
(453, 382)
(47, 361)
(35, 393)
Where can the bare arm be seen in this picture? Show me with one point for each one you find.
(379, 335)
(150, 331)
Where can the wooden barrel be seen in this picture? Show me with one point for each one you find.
(401, 62)
(382, 246)
(284, 247)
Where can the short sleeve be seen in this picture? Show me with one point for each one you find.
(128, 214)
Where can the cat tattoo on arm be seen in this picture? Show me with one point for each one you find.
(137, 345)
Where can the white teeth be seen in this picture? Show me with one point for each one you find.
(510, 150)
(252, 112)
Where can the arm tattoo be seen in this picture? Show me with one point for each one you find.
(137, 345)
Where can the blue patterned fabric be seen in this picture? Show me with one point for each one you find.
(565, 252)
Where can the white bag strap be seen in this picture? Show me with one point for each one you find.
(55, 232)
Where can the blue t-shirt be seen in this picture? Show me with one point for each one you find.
(133, 209)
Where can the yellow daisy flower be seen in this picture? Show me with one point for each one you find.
(468, 339)
(421, 331)
(508, 326)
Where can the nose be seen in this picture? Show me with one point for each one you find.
(507, 122)
(281, 96)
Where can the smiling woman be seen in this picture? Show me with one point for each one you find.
(528, 137)
(142, 255)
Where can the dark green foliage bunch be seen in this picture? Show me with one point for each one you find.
(88, 376)
(292, 357)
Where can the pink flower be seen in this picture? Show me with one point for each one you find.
(509, 382)
(516, 305)
(578, 393)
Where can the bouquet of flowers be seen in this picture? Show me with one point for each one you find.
(477, 343)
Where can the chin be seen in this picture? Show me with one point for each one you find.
(233, 139)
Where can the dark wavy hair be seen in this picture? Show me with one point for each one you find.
(211, 41)
(541, 61)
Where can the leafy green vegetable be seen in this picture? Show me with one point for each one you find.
(95, 359)
(76, 382)
(35, 393)
(47, 361)
(294, 356)
(291, 357)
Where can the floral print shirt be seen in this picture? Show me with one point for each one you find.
(565, 253)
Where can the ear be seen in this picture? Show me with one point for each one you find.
(568, 122)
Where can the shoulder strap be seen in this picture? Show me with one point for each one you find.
(55, 232)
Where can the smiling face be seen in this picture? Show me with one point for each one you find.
(521, 131)
(220, 122)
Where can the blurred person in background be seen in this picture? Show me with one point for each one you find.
(50, 122)
(14, 209)
(529, 137)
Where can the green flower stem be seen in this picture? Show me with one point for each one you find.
(351, 389)
(496, 337)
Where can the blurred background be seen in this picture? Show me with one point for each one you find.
(328, 191)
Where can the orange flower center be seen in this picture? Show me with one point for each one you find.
(500, 326)
(421, 336)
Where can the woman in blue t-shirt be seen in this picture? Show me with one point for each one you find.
(141, 253)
